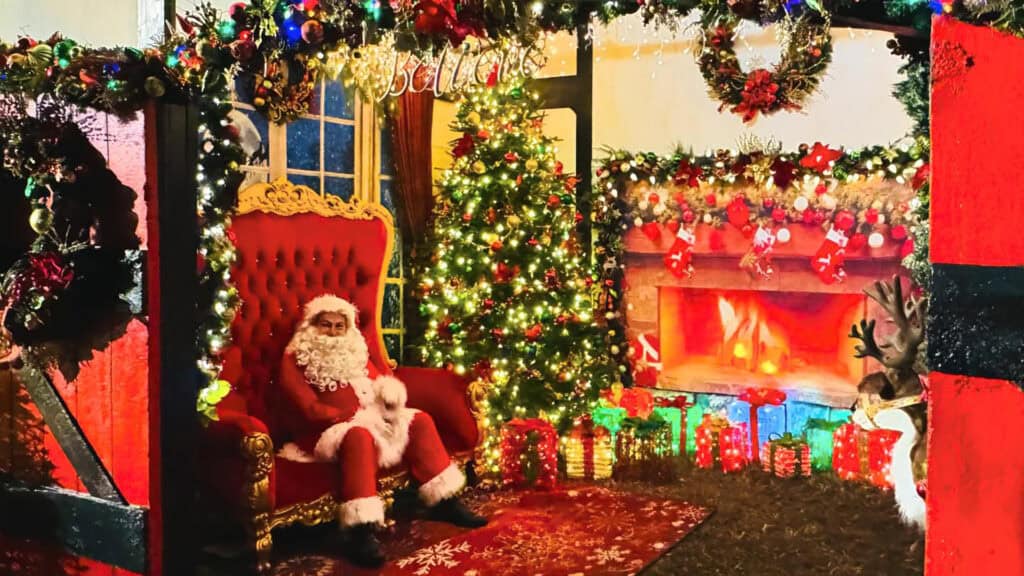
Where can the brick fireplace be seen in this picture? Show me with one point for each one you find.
(723, 330)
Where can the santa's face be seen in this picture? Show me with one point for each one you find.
(331, 324)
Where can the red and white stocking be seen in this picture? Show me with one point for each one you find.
(678, 257)
(828, 262)
(646, 360)
(759, 258)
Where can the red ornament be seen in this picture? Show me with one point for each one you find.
(554, 201)
(488, 303)
(819, 216)
(688, 216)
(653, 198)
(820, 189)
(511, 157)
(570, 183)
(820, 157)
(532, 242)
(845, 220)
(467, 217)
(871, 216)
(312, 32)
(768, 203)
(651, 230)
(311, 5)
(738, 212)
(558, 168)
(243, 50)
(503, 273)
(710, 199)
(533, 332)
(483, 134)
(496, 245)
(551, 277)
(464, 146)
(579, 217)
(808, 217)
(779, 215)
(898, 232)
(907, 248)
(857, 241)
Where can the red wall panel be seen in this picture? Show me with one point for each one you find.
(976, 145)
(975, 454)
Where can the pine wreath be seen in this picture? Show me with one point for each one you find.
(805, 56)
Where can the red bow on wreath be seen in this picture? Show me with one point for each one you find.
(45, 273)
(759, 95)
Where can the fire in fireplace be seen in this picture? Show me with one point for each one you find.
(723, 341)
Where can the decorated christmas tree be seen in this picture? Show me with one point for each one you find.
(507, 291)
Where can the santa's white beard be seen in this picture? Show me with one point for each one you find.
(330, 362)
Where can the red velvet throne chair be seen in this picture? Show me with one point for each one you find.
(294, 244)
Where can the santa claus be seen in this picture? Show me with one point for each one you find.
(341, 409)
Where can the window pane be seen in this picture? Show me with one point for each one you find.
(395, 266)
(386, 163)
(343, 187)
(304, 144)
(387, 197)
(253, 130)
(392, 306)
(305, 180)
(339, 148)
(393, 343)
(338, 101)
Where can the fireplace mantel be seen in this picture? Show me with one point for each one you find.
(647, 279)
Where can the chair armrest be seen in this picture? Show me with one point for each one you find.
(238, 448)
(445, 396)
(224, 435)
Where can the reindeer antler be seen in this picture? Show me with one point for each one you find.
(866, 334)
(909, 319)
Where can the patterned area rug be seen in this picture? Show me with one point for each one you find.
(574, 531)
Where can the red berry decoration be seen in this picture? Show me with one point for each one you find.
(779, 215)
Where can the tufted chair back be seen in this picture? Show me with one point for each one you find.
(293, 245)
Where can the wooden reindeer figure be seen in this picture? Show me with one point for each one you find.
(892, 399)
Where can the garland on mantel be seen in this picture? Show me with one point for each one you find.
(762, 192)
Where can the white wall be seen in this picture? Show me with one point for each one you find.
(93, 22)
(640, 104)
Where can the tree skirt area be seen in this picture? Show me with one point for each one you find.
(584, 530)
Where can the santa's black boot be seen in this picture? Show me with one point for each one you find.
(362, 548)
(453, 511)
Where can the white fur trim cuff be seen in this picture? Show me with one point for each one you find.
(444, 485)
(361, 511)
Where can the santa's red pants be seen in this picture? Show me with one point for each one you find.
(425, 457)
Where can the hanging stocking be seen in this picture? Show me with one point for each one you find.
(828, 262)
(677, 259)
(647, 364)
(758, 260)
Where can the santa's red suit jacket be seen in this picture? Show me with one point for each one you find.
(308, 412)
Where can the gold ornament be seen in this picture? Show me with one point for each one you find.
(532, 165)
(514, 220)
(154, 87)
(41, 219)
(479, 167)
(473, 118)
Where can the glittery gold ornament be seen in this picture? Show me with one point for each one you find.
(473, 118)
(479, 167)
(532, 164)
(41, 219)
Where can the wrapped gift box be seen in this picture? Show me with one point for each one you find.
(819, 434)
(529, 453)
(589, 452)
(643, 450)
(859, 454)
(720, 443)
(786, 456)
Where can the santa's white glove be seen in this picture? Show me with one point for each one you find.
(391, 396)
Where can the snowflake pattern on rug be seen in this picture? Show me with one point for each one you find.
(577, 530)
(439, 555)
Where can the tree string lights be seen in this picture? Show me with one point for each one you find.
(506, 291)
